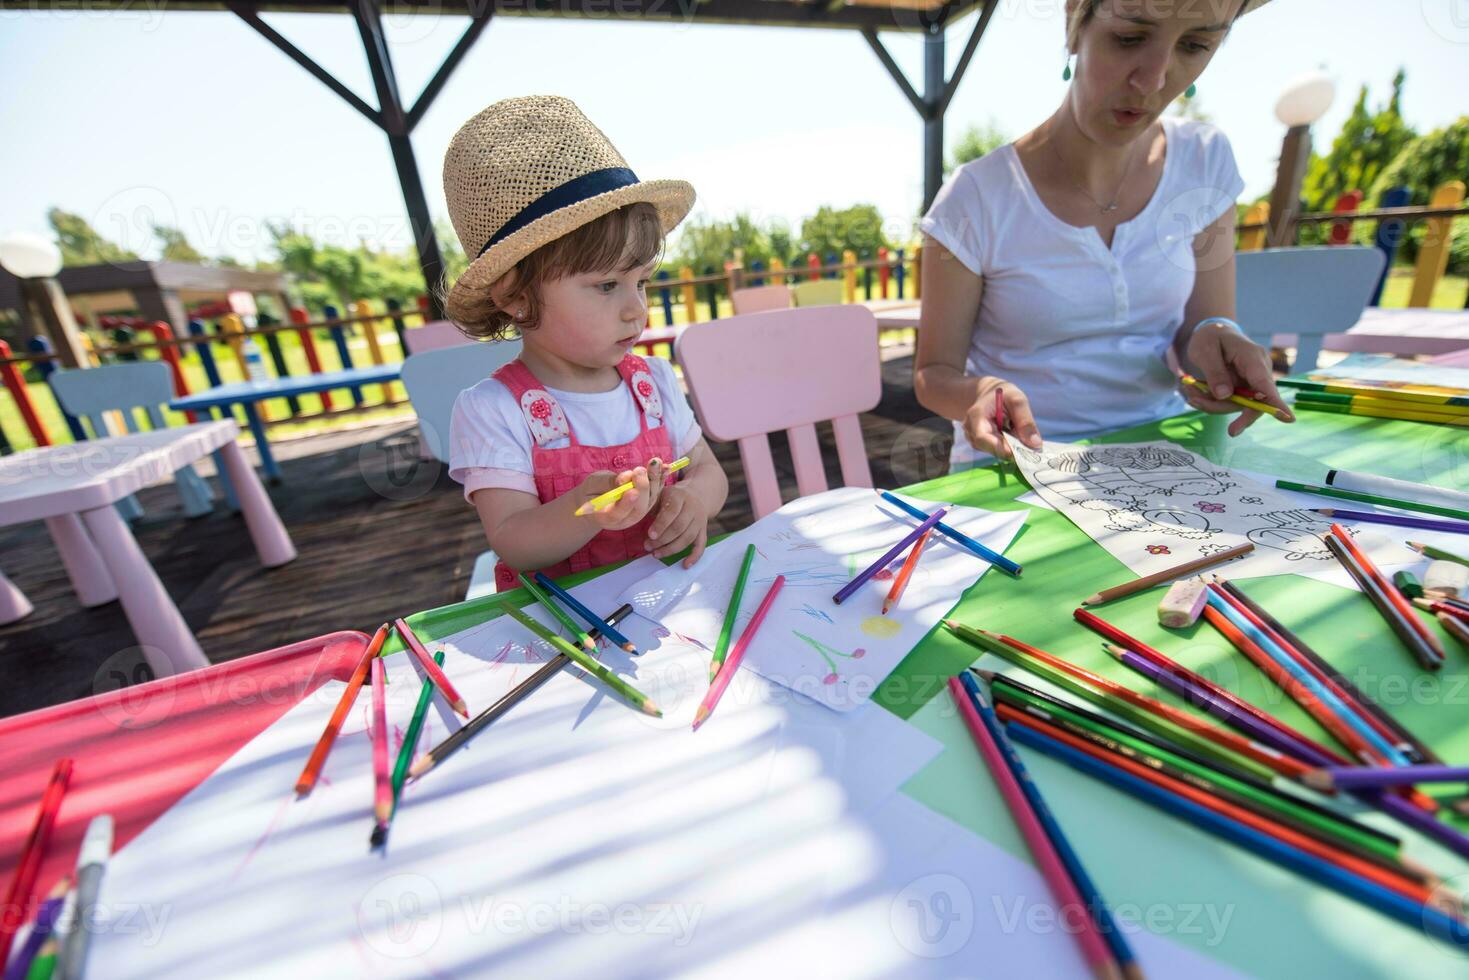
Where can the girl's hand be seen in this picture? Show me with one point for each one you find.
(1225, 360)
(682, 520)
(979, 422)
(629, 508)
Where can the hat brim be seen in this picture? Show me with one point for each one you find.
(673, 200)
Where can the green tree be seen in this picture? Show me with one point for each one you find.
(705, 243)
(974, 143)
(1422, 166)
(176, 247)
(829, 231)
(81, 244)
(1368, 142)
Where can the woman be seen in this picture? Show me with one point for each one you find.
(1074, 268)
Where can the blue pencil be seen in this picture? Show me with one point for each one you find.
(958, 537)
(1093, 898)
(1411, 913)
(592, 619)
(1324, 694)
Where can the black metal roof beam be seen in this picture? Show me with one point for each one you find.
(870, 36)
(251, 16)
(466, 41)
(974, 37)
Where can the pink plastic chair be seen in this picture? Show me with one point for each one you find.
(758, 299)
(786, 369)
(432, 336)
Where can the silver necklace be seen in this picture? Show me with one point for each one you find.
(1111, 205)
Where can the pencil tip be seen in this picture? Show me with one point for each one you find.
(461, 707)
(700, 717)
(1318, 779)
(1092, 600)
(379, 836)
(630, 648)
(652, 709)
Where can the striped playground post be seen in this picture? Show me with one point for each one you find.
(299, 316)
(732, 272)
(1253, 239)
(690, 297)
(900, 273)
(1341, 231)
(15, 382)
(814, 264)
(884, 272)
(169, 354)
(46, 368)
(867, 282)
(395, 310)
(1390, 234)
(665, 297)
(278, 358)
(232, 329)
(757, 266)
(339, 337)
(123, 337)
(1438, 234)
(828, 263)
(711, 295)
(777, 272)
(374, 348)
(849, 276)
(918, 271)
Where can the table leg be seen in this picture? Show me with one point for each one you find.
(262, 444)
(167, 642)
(14, 605)
(272, 542)
(89, 578)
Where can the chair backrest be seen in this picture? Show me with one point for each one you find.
(786, 369)
(434, 378)
(1307, 292)
(88, 392)
(818, 292)
(433, 335)
(758, 299)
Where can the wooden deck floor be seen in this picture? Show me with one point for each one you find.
(380, 534)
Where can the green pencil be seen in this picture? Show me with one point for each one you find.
(1429, 551)
(584, 661)
(561, 615)
(1371, 498)
(410, 737)
(731, 614)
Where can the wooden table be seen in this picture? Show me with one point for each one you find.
(73, 488)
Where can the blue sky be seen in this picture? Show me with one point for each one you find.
(194, 120)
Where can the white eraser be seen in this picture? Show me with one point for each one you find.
(1446, 578)
(1183, 602)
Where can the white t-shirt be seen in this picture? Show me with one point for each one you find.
(490, 442)
(1081, 328)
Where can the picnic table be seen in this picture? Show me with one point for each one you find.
(1236, 912)
(248, 394)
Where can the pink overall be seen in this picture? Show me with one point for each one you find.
(560, 470)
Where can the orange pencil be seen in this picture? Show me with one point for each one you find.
(309, 774)
(906, 572)
(434, 671)
(382, 804)
(1393, 595)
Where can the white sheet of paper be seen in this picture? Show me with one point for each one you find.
(834, 654)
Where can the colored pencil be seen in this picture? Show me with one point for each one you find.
(312, 770)
(28, 867)
(1441, 608)
(845, 592)
(45, 963)
(426, 762)
(958, 537)
(603, 501)
(1048, 862)
(1372, 483)
(1241, 400)
(584, 660)
(92, 860)
(1409, 636)
(731, 613)
(1425, 394)
(1455, 627)
(1372, 498)
(1397, 599)
(1377, 410)
(556, 611)
(900, 582)
(1416, 914)
(42, 931)
(590, 618)
(732, 662)
(382, 803)
(1379, 403)
(1363, 700)
(1397, 520)
(1167, 574)
(1372, 777)
(410, 743)
(1101, 916)
(1430, 551)
(1177, 726)
(434, 671)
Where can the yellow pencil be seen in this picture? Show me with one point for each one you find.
(603, 501)
(1240, 400)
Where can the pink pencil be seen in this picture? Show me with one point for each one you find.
(434, 671)
(1093, 946)
(382, 807)
(732, 662)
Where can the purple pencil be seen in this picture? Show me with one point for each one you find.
(1372, 777)
(846, 591)
(1425, 523)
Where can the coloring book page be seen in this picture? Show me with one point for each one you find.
(834, 654)
(1155, 505)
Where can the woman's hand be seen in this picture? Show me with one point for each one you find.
(682, 520)
(1225, 359)
(630, 507)
(980, 424)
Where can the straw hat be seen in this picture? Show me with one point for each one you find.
(526, 171)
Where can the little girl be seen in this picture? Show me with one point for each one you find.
(562, 238)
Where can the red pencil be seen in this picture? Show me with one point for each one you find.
(906, 572)
(382, 806)
(309, 774)
(736, 654)
(19, 898)
(1393, 595)
(434, 671)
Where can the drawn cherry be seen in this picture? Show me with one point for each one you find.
(884, 575)
(829, 679)
(858, 653)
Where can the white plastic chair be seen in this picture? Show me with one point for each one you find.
(434, 379)
(1304, 292)
(125, 388)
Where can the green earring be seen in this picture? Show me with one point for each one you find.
(1066, 72)
(1191, 91)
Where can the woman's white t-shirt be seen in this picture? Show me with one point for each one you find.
(1081, 328)
(490, 442)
